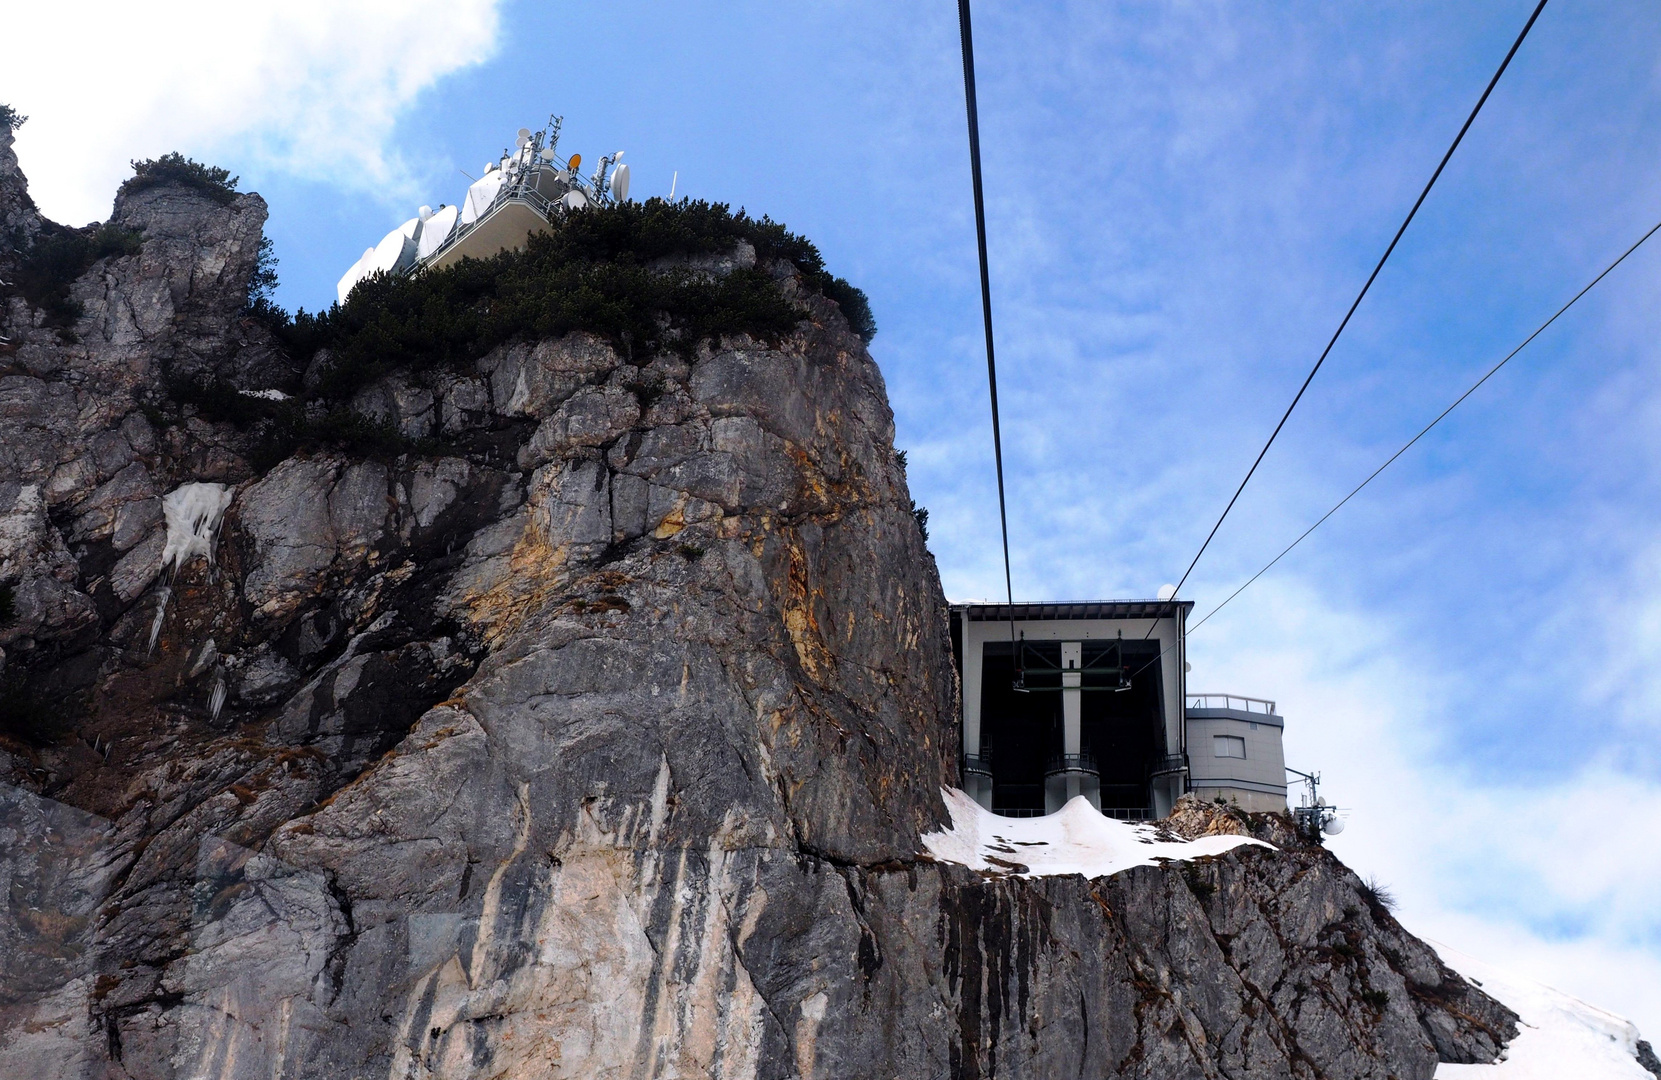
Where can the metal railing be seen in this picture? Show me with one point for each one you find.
(1170, 763)
(1128, 813)
(1238, 702)
(978, 763)
(1071, 763)
(517, 191)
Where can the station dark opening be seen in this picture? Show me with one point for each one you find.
(1021, 731)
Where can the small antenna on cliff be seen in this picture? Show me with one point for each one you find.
(1312, 813)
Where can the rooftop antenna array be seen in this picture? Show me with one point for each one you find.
(521, 193)
(1312, 814)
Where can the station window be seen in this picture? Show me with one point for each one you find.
(1228, 746)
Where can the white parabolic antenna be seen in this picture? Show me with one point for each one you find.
(620, 183)
(359, 271)
(1332, 825)
(480, 196)
(574, 200)
(436, 230)
(1167, 591)
(547, 153)
(351, 277)
(395, 251)
(523, 138)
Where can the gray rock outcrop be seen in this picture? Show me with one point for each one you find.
(19, 218)
(595, 740)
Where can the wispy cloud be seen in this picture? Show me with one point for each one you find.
(312, 87)
(1552, 875)
(1182, 201)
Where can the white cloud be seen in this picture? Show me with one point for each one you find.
(310, 86)
(1552, 876)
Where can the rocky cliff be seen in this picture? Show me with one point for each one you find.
(593, 731)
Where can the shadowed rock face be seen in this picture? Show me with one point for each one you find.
(597, 744)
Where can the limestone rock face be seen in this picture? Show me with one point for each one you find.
(596, 740)
(19, 219)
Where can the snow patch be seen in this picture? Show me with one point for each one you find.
(193, 513)
(1077, 839)
(1557, 1036)
(265, 395)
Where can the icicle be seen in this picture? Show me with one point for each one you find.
(193, 513)
(162, 598)
(216, 697)
(208, 657)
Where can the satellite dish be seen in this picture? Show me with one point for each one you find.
(620, 183)
(524, 137)
(1332, 825)
(1167, 591)
(343, 288)
(395, 251)
(574, 200)
(424, 213)
(435, 231)
(481, 196)
(617, 156)
(547, 153)
(575, 163)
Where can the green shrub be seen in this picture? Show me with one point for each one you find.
(216, 183)
(58, 258)
(855, 305)
(286, 427)
(262, 283)
(596, 271)
(1378, 999)
(219, 401)
(295, 426)
(10, 118)
(1378, 896)
(921, 514)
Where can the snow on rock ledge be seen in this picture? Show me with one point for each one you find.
(1075, 840)
(1558, 1036)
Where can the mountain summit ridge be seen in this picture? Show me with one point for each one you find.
(579, 713)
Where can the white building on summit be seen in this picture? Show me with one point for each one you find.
(517, 197)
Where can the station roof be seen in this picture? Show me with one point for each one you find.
(1082, 609)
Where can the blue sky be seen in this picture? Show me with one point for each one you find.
(1182, 200)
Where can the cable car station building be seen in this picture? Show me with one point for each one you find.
(1091, 699)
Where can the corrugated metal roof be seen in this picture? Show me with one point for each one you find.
(1083, 609)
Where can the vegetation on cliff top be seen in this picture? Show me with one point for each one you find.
(10, 118)
(638, 274)
(616, 271)
(60, 255)
(216, 183)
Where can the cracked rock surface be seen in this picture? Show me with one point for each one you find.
(595, 740)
